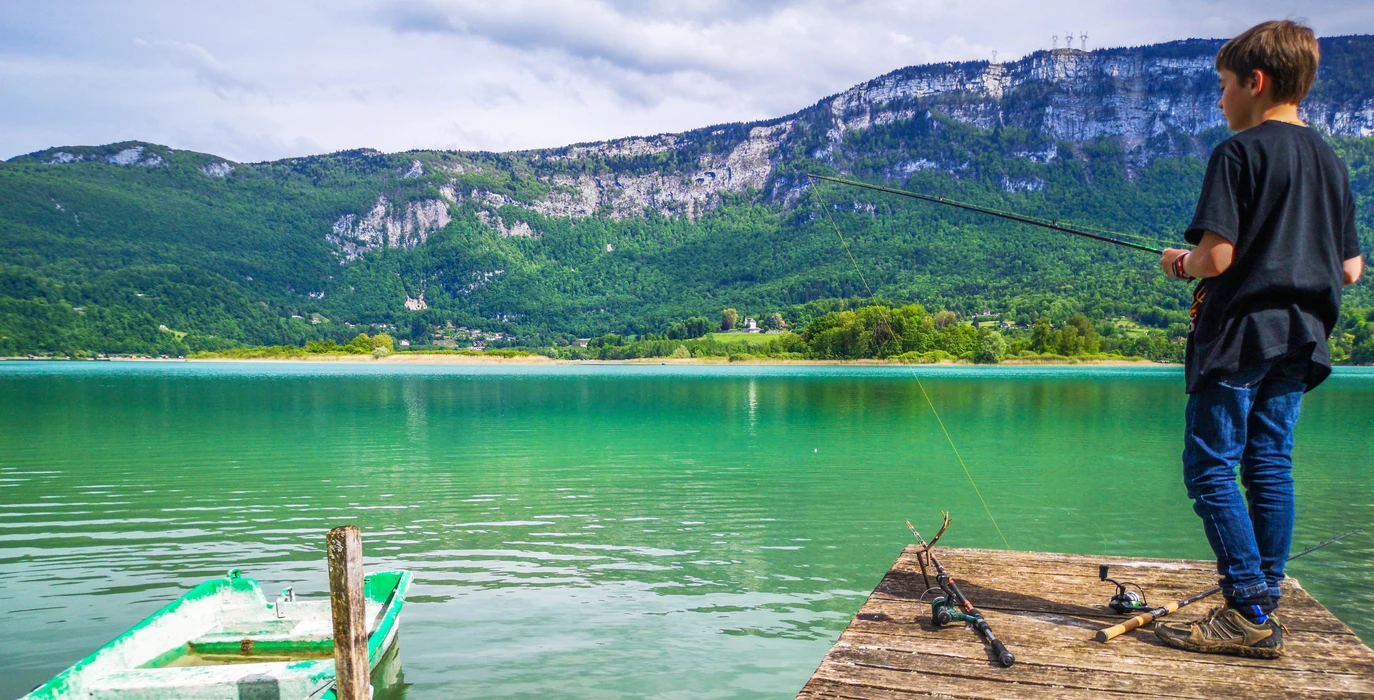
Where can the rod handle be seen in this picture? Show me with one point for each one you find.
(1004, 657)
(1134, 623)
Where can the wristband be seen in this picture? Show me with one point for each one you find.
(1178, 268)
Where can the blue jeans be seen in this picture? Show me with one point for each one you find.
(1246, 420)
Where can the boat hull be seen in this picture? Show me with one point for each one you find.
(223, 640)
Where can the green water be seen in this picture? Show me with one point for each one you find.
(610, 531)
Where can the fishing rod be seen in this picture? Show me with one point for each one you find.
(1142, 619)
(1052, 225)
(954, 605)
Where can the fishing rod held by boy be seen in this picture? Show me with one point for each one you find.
(1011, 216)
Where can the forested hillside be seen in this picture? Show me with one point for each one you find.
(137, 247)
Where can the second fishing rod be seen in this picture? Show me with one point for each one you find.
(1110, 633)
(1010, 216)
(953, 606)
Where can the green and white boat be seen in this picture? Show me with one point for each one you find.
(223, 640)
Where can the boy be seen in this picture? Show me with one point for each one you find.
(1276, 241)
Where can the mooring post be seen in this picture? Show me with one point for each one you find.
(351, 672)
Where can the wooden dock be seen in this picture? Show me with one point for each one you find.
(1046, 607)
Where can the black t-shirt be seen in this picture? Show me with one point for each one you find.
(1282, 197)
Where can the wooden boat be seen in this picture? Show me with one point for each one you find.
(223, 640)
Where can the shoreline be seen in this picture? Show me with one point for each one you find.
(540, 360)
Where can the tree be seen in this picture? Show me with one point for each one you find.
(992, 348)
(946, 318)
(1090, 341)
(1069, 342)
(361, 344)
(1042, 335)
(1363, 353)
(609, 340)
(694, 327)
(728, 319)
(773, 321)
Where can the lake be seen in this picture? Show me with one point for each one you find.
(602, 531)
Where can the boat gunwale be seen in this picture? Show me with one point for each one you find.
(61, 682)
(66, 683)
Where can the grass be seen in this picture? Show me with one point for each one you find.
(1130, 329)
(744, 337)
(291, 352)
(499, 352)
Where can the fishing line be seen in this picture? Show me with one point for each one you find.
(922, 387)
(851, 255)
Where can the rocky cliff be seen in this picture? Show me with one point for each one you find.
(632, 234)
(1154, 101)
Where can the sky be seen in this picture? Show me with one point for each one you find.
(254, 81)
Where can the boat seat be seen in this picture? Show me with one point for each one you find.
(228, 682)
(266, 631)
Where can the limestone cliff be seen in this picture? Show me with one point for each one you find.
(1155, 101)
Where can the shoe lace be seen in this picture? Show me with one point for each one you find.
(1216, 626)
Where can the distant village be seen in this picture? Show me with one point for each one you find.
(452, 337)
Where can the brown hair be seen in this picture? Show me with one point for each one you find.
(1285, 50)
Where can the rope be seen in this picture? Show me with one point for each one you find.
(922, 387)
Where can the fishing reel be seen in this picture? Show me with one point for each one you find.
(1124, 601)
(944, 611)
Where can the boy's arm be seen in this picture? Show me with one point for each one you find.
(1352, 269)
(1211, 257)
(1353, 265)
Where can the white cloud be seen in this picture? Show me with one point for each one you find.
(262, 80)
(208, 71)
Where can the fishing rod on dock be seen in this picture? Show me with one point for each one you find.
(954, 606)
(1051, 225)
(1142, 619)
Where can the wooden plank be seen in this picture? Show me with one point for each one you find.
(1047, 607)
(351, 669)
(1068, 627)
(1307, 652)
(1104, 664)
(953, 686)
(821, 688)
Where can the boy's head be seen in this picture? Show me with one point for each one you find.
(1270, 64)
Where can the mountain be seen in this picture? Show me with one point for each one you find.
(141, 247)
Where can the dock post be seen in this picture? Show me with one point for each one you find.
(351, 671)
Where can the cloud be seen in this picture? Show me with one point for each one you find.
(264, 79)
(495, 95)
(208, 71)
(590, 31)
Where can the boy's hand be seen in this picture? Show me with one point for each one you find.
(1166, 261)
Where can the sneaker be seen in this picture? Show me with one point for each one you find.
(1225, 631)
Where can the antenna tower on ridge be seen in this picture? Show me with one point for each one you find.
(1084, 38)
(1055, 39)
